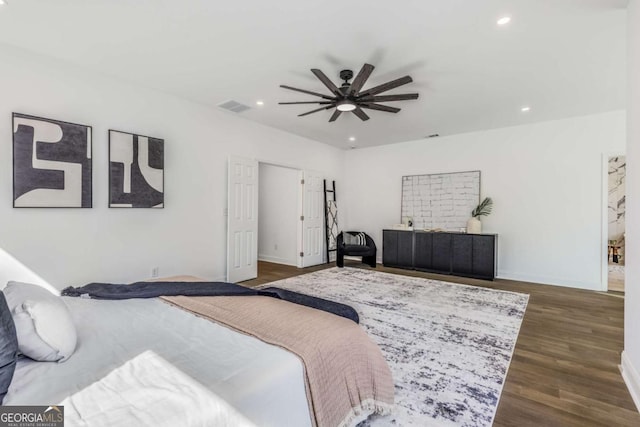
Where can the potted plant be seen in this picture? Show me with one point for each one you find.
(474, 226)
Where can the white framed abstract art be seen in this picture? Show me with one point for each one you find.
(136, 171)
(440, 201)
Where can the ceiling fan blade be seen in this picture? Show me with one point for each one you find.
(325, 80)
(307, 92)
(316, 110)
(306, 102)
(335, 115)
(379, 107)
(387, 86)
(361, 114)
(388, 98)
(361, 78)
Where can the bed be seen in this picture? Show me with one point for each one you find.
(264, 382)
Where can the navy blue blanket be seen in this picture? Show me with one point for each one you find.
(156, 289)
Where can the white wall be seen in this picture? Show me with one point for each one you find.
(73, 246)
(545, 180)
(631, 354)
(278, 212)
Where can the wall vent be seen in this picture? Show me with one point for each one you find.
(234, 106)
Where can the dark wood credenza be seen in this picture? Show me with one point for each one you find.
(460, 254)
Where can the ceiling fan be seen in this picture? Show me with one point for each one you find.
(351, 97)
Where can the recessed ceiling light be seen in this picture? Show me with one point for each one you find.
(504, 20)
(3, 2)
(257, 102)
(525, 109)
(352, 138)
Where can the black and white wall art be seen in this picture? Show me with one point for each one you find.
(136, 171)
(51, 163)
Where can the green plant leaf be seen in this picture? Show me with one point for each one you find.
(484, 208)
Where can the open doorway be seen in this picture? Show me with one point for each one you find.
(276, 218)
(616, 168)
(279, 211)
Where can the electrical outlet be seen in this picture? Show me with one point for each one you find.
(225, 211)
(155, 271)
(275, 247)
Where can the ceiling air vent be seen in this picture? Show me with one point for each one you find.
(234, 106)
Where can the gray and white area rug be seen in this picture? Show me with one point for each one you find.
(449, 346)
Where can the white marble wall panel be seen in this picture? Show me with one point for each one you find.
(617, 172)
(440, 200)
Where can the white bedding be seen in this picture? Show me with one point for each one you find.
(149, 391)
(263, 382)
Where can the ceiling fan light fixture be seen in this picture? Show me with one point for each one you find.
(350, 97)
(345, 105)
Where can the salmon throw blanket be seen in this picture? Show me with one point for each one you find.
(347, 377)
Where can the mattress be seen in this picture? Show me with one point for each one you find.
(261, 381)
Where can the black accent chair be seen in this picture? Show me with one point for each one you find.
(367, 251)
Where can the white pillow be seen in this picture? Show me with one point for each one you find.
(43, 322)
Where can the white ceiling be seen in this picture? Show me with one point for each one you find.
(561, 57)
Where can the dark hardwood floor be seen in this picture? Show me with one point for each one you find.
(564, 370)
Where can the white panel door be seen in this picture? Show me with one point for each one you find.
(242, 220)
(313, 222)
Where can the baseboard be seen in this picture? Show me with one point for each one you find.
(545, 280)
(541, 280)
(631, 379)
(276, 260)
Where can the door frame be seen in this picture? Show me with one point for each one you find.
(300, 206)
(300, 224)
(604, 231)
